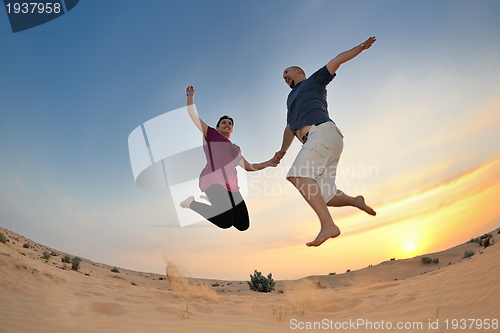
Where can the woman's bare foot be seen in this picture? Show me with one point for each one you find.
(363, 206)
(204, 197)
(331, 231)
(186, 203)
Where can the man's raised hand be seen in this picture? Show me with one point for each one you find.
(368, 43)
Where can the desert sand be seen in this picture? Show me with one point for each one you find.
(46, 295)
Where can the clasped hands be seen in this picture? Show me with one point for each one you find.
(277, 158)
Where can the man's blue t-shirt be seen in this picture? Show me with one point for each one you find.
(306, 102)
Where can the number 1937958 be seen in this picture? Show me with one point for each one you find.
(33, 8)
(471, 324)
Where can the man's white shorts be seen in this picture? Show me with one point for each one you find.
(319, 157)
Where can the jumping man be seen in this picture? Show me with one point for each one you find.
(314, 170)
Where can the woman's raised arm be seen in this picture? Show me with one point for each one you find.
(192, 112)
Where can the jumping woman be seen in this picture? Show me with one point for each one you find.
(219, 177)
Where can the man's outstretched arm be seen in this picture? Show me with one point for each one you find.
(287, 139)
(287, 142)
(335, 63)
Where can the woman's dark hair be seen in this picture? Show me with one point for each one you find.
(224, 117)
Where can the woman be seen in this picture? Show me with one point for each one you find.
(219, 177)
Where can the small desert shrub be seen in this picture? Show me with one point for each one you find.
(66, 258)
(115, 270)
(468, 254)
(426, 260)
(75, 263)
(3, 239)
(46, 255)
(486, 242)
(26, 246)
(429, 260)
(260, 283)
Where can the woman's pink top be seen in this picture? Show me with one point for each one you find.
(222, 158)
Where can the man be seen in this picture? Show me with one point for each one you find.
(314, 169)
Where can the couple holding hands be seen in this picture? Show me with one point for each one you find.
(314, 170)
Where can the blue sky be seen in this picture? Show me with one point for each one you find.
(421, 107)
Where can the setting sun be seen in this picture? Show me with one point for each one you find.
(410, 246)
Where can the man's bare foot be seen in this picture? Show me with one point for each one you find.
(186, 203)
(204, 197)
(363, 206)
(325, 233)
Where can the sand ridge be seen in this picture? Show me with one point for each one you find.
(45, 295)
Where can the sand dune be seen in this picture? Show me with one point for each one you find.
(39, 295)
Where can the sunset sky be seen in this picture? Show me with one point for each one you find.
(420, 112)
